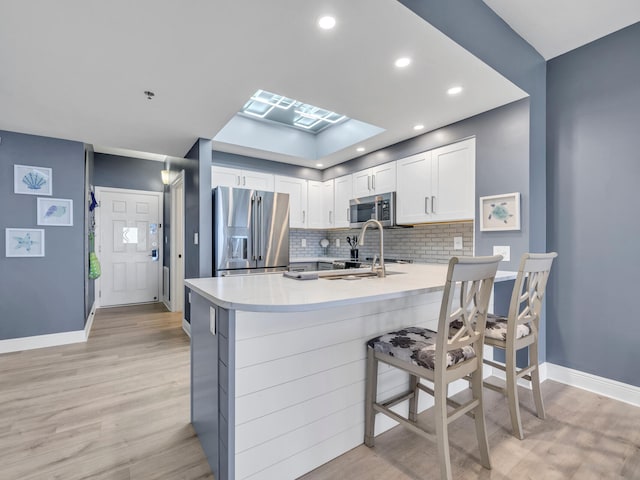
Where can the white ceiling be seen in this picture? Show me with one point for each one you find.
(77, 70)
(554, 27)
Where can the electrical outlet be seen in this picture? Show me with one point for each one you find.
(337, 242)
(457, 243)
(504, 250)
(304, 242)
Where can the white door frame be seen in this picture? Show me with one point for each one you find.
(98, 246)
(175, 218)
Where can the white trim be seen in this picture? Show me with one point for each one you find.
(42, 341)
(167, 304)
(89, 322)
(51, 339)
(186, 326)
(174, 282)
(593, 383)
(160, 197)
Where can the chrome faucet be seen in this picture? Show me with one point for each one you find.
(380, 271)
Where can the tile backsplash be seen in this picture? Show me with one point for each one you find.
(422, 243)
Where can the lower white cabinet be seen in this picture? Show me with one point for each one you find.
(233, 177)
(438, 185)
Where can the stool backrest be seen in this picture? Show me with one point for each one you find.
(465, 301)
(528, 291)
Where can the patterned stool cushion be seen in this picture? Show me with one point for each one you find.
(497, 328)
(418, 346)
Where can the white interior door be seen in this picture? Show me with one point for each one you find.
(177, 245)
(129, 249)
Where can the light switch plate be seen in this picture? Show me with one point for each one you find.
(212, 320)
(304, 242)
(457, 243)
(195, 238)
(504, 250)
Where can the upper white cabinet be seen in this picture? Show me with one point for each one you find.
(320, 204)
(233, 177)
(438, 185)
(315, 205)
(343, 192)
(297, 190)
(380, 179)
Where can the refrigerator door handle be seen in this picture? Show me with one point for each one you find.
(260, 228)
(254, 228)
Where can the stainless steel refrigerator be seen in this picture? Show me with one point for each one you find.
(250, 231)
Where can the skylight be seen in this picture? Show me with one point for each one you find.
(271, 107)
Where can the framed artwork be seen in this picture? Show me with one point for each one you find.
(55, 212)
(28, 180)
(24, 242)
(500, 212)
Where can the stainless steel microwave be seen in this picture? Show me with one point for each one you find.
(379, 207)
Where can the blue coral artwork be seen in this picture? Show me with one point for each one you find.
(24, 242)
(29, 180)
(55, 212)
(500, 212)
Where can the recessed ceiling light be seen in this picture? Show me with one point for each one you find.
(360, 149)
(418, 127)
(327, 22)
(403, 62)
(319, 165)
(454, 90)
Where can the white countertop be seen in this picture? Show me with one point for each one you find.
(275, 293)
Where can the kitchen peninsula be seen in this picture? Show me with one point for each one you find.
(278, 364)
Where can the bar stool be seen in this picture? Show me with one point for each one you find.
(518, 330)
(439, 358)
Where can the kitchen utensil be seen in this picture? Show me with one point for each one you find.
(349, 242)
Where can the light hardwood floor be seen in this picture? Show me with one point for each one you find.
(584, 437)
(117, 408)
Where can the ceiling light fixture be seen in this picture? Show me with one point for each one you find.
(402, 62)
(454, 90)
(360, 149)
(164, 174)
(319, 165)
(149, 94)
(327, 22)
(418, 127)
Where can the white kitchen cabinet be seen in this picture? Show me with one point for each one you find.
(343, 192)
(328, 204)
(379, 179)
(297, 190)
(321, 204)
(437, 186)
(234, 177)
(315, 205)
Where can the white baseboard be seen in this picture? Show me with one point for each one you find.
(167, 304)
(593, 383)
(186, 326)
(42, 341)
(89, 323)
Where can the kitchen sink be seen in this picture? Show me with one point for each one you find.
(347, 275)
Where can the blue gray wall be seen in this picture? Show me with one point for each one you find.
(125, 172)
(198, 258)
(593, 176)
(46, 294)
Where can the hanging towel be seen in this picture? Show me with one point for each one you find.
(94, 263)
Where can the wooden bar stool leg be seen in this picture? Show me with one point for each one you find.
(442, 431)
(512, 393)
(535, 380)
(413, 402)
(370, 398)
(481, 426)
